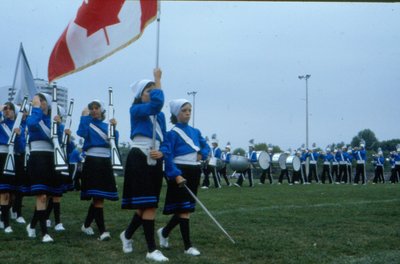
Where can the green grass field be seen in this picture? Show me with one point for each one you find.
(270, 224)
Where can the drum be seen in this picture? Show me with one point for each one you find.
(263, 160)
(216, 162)
(239, 163)
(293, 163)
(279, 160)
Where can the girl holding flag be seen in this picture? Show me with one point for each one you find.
(143, 170)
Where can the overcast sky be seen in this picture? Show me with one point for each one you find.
(243, 59)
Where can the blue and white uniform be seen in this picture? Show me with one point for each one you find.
(360, 155)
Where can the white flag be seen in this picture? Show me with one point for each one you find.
(23, 84)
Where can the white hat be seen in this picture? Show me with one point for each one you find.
(48, 99)
(228, 146)
(380, 153)
(138, 87)
(176, 105)
(102, 108)
(328, 150)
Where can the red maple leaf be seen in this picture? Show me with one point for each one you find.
(98, 14)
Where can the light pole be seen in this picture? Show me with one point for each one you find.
(194, 101)
(306, 77)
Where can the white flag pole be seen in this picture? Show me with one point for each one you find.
(157, 63)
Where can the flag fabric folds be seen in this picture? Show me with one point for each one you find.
(23, 84)
(99, 29)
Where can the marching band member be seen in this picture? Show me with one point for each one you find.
(341, 157)
(143, 171)
(296, 175)
(349, 164)
(303, 161)
(54, 202)
(326, 169)
(379, 162)
(225, 157)
(335, 167)
(313, 171)
(75, 167)
(396, 159)
(44, 181)
(285, 172)
(252, 157)
(360, 154)
(8, 183)
(215, 153)
(188, 148)
(98, 182)
(267, 171)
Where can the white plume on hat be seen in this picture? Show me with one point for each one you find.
(176, 105)
(138, 87)
(214, 139)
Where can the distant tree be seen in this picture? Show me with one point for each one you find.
(239, 151)
(389, 145)
(261, 146)
(371, 142)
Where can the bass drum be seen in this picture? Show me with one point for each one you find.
(239, 163)
(279, 160)
(293, 163)
(263, 160)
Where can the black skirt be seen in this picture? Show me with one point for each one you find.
(98, 179)
(142, 183)
(43, 178)
(7, 182)
(178, 200)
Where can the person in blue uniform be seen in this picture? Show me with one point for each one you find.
(267, 172)
(341, 157)
(360, 155)
(98, 182)
(326, 168)
(9, 183)
(335, 167)
(188, 148)
(303, 162)
(143, 171)
(251, 156)
(379, 162)
(313, 155)
(225, 157)
(44, 180)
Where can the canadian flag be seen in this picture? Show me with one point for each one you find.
(99, 29)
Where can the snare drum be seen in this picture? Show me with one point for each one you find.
(263, 160)
(239, 163)
(279, 160)
(293, 163)
(216, 162)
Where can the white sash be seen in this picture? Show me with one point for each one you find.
(186, 138)
(45, 129)
(158, 128)
(6, 129)
(99, 131)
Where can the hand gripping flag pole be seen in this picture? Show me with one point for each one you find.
(209, 214)
(115, 156)
(9, 166)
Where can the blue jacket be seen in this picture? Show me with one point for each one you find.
(379, 161)
(179, 147)
(35, 131)
(141, 123)
(360, 154)
(20, 141)
(92, 138)
(327, 157)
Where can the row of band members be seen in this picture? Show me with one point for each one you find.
(182, 149)
(337, 166)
